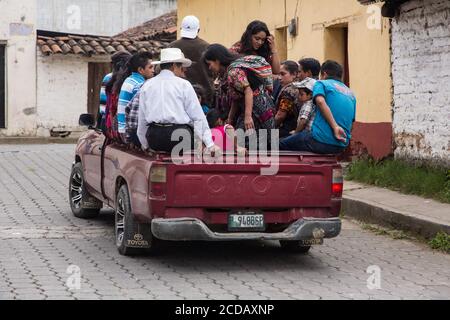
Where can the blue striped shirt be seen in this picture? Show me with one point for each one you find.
(129, 89)
(103, 97)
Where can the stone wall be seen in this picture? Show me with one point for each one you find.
(421, 79)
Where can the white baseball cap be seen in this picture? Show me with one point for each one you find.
(190, 27)
(308, 83)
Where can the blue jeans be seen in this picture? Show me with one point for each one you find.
(304, 141)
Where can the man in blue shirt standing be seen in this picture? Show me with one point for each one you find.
(332, 127)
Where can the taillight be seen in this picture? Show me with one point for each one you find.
(158, 179)
(338, 183)
(158, 174)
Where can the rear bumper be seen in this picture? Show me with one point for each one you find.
(191, 229)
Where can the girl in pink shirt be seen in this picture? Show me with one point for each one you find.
(224, 135)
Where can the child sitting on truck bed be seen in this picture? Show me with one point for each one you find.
(307, 112)
(224, 135)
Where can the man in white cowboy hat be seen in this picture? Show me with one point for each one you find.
(167, 103)
(193, 47)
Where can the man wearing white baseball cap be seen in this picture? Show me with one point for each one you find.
(168, 103)
(193, 47)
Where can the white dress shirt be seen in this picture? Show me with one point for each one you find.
(168, 99)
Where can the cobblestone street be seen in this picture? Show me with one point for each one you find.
(40, 239)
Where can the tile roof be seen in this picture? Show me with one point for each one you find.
(160, 27)
(152, 36)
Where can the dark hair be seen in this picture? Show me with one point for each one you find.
(138, 60)
(167, 66)
(246, 40)
(226, 57)
(291, 66)
(217, 52)
(312, 65)
(118, 61)
(333, 69)
(200, 91)
(213, 116)
(306, 90)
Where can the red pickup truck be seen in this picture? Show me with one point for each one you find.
(156, 199)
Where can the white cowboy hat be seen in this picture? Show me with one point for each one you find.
(173, 55)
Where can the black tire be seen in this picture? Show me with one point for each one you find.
(83, 205)
(132, 238)
(294, 247)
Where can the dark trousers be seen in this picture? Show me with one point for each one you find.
(304, 141)
(159, 136)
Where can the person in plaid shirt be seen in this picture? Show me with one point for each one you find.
(307, 112)
(132, 120)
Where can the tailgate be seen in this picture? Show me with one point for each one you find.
(296, 185)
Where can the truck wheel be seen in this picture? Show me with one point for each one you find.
(294, 247)
(83, 205)
(132, 238)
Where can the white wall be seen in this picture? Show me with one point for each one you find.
(421, 75)
(62, 92)
(17, 28)
(99, 17)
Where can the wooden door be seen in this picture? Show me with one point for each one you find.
(97, 72)
(2, 87)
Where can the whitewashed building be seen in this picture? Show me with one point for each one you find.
(420, 56)
(17, 67)
(99, 17)
(47, 78)
(421, 79)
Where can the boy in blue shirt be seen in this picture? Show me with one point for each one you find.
(332, 127)
(139, 69)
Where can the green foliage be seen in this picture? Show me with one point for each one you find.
(441, 242)
(400, 176)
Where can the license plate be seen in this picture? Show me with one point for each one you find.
(246, 222)
(313, 242)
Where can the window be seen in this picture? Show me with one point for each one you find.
(2, 87)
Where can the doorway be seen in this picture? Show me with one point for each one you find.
(2, 86)
(96, 72)
(281, 37)
(336, 47)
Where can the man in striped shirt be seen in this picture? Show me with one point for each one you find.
(140, 69)
(103, 96)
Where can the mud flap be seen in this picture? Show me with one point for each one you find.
(89, 202)
(139, 236)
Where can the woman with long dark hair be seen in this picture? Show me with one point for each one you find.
(121, 90)
(249, 82)
(287, 103)
(258, 41)
(107, 96)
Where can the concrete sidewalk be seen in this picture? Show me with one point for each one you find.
(424, 217)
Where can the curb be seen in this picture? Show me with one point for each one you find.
(32, 140)
(368, 213)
